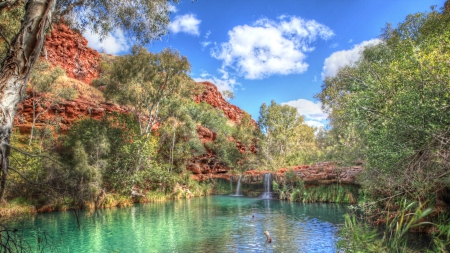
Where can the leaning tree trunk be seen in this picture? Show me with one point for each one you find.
(15, 69)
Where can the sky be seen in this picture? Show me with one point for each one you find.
(264, 50)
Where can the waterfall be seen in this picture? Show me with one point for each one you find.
(231, 184)
(267, 194)
(238, 187)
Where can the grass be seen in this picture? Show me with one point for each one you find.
(333, 193)
(357, 236)
(81, 89)
(16, 207)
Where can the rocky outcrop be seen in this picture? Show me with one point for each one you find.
(205, 166)
(62, 114)
(209, 166)
(68, 49)
(317, 174)
(212, 96)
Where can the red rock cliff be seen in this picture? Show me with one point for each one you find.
(213, 97)
(69, 50)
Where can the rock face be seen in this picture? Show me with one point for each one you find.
(317, 174)
(69, 50)
(206, 166)
(209, 166)
(213, 97)
(63, 114)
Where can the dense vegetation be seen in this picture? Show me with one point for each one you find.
(390, 110)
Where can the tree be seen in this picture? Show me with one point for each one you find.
(286, 139)
(44, 83)
(246, 135)
(151, 85)
(395, 100)
(143, 20)
(147, 82)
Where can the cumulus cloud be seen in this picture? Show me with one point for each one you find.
(270, 47)
(342, 58)
(223, 83)
(115, 43)
(313, 113)
(187, 23)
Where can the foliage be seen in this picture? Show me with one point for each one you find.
(392, 107)
(147, 82)
(9, 26)
(246, 135)
(34, 175)
(286, 139)
(323, 193)
(359, 237)
(43, 79)
(142, 20)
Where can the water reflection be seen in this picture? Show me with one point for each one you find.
(214, 224)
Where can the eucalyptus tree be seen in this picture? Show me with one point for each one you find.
(147, 83)
(286, 139)
(247, 135)
(143, 20)
(151, 86)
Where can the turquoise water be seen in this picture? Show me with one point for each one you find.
(207, 224)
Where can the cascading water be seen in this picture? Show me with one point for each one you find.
(267, 194)
(238, 187)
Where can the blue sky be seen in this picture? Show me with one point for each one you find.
(280, 50)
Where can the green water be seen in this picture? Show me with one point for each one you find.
(207, 224)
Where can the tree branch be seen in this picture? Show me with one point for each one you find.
(34, 155)
(71, 7)
(30, 182)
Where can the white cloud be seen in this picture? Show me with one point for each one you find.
(187, 23)
(314, 123)
(314, 116)
(172, 8)
(334, 45)
(270, 47)
(205, 43)
(342, 58)
(223, 83)
(207, 34)
(113, 44)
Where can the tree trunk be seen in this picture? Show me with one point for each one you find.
(15, 70)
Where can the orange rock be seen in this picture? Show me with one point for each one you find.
(69, 50)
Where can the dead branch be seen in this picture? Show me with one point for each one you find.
(269, 240)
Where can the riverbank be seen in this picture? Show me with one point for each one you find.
(252, 186)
